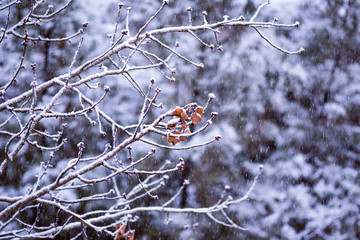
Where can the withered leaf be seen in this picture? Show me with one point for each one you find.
(199, 110)
(195, 118)
(177, 111)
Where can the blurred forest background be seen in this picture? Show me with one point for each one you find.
(297, 115)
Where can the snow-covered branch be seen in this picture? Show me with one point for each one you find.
(27, 113)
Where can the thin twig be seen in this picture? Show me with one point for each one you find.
(301, 50)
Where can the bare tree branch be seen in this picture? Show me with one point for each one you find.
(43, 101)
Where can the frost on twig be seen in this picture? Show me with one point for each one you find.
(26, 117)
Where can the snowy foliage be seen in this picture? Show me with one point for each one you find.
(297, 115)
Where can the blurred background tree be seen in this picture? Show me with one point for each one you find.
(296, 115)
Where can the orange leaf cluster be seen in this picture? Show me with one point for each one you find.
(174, 140)
(196, 115)
(195, 118)
(181, 119)
(121, 233)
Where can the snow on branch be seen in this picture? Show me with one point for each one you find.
(43, 99)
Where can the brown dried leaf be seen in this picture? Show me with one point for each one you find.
(177, 111)
(184, 116)
(195, 118)
(121, 232)
(199, 110)
(172, 139)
